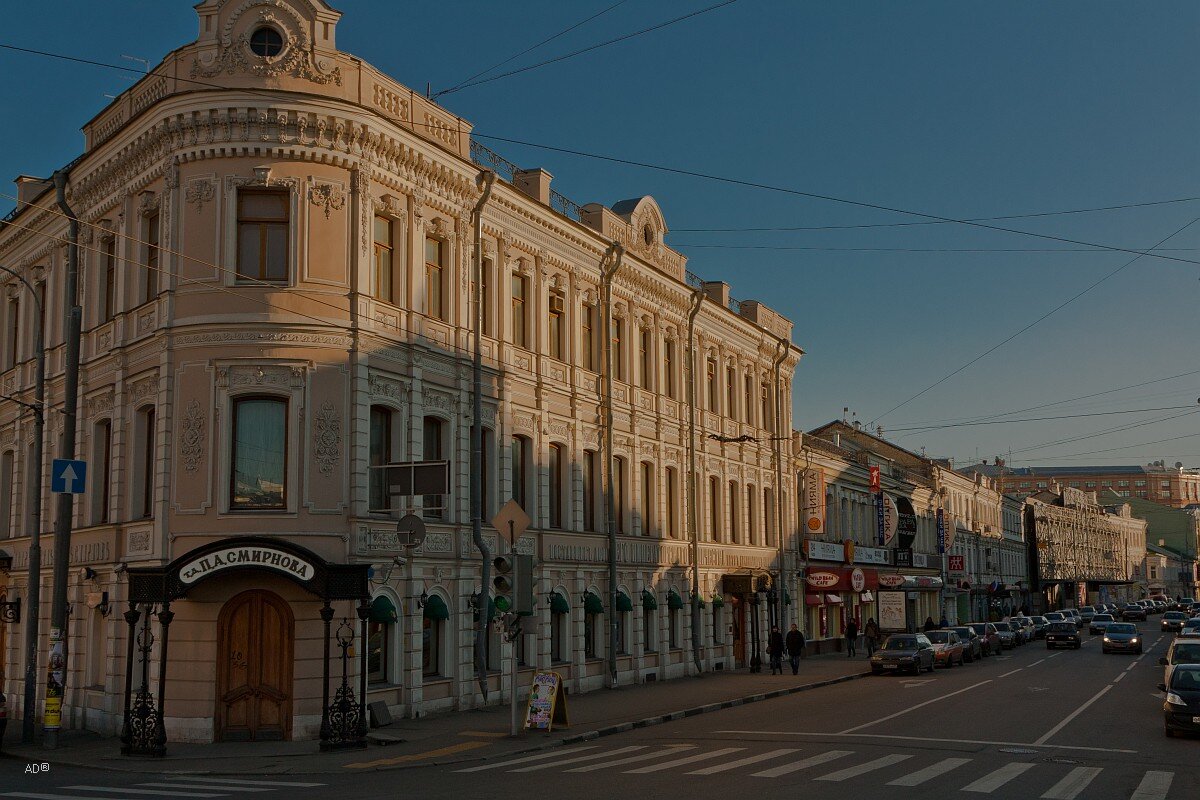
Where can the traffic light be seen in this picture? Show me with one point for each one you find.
(504, 582)
(513, 584)
(523, 591)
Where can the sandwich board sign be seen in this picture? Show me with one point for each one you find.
(547, 704)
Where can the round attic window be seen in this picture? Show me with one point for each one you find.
(266, 42)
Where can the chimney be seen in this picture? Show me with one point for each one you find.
(837, 439)
(28, 188)
(718, 292)
(535, 183)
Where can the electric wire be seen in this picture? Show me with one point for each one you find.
(818, 249)
(922, 428)
(1108, 432)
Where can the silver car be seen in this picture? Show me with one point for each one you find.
(1099, 623)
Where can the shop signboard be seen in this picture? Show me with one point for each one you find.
(814, 502)
(891, 611)
(904, 558)
(842, 579)
(824, 551)
(871, 555)
(941, 531)
(891, 581)
(957, 565)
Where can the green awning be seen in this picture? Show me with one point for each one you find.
(718, 601)
(623, 602)
(592, 604)
(559, 604)
(435, 608)
(699, 598)
(383, 610)
(674, 601)
(649, 601)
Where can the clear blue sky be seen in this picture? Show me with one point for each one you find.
(958, 109)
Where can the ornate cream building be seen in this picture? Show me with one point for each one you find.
(276, 282)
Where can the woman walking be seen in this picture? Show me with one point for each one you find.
(871, 636)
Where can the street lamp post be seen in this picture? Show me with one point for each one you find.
(35, 497)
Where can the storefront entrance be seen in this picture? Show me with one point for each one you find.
(254, 669)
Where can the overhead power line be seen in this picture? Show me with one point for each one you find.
(1109, 432)
(1038, 419)
(695, 246)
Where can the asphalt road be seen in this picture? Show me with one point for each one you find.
(1032, 723)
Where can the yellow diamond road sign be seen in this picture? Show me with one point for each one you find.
(512, 521)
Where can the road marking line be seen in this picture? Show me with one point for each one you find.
(230, 788)
(870, 766)
(929, 773)
(1122, 675)
(1034, 664)
(914, 708)
(1073, 715)
(1154, 786)
(670, 751)
(796, 766)
(591, 757)
(288, 784)
(994, 780)
(1075, 782)
(527, 759)
(484, 734)
(37, 796)
(1055, 655)
(1130, 667)
(444, 751)
(930, 739)
(745, 761)
(144, 791)
(1014, 672)
(679, 762)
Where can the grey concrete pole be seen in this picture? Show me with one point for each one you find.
(693, 529)
(612, 263)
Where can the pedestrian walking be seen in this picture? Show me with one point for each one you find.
(945, 623)
(851, 638)
(795, 647)
(775, 650)
(929, 626)
(871, 635)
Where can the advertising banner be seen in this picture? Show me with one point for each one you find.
(891, 611)
(906, 522)
(941, 531)
(814, 502)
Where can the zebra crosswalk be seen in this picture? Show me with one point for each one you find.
(176, 786)
(973, 776)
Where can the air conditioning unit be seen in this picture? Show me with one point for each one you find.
(557, 305)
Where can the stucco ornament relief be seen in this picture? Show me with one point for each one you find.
(296, 58)
(199, 192)
(191, 443)
(327, 439)
(328, 197)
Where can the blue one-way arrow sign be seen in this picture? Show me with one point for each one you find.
(67, 477)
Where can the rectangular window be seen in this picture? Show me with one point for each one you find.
(587, 337)
(672, 498)
(147, 466)
(589, 490)
(750, 515)
(673, 628)
(555, 476)
(377, 651)
(748, 398)
(648, 624)
(108, 291)
(618, 494)
(735, 521)
(520, 333)
(383, 282)
(1122, 483)
(669, 368)
(769, 515)
(11, 351)
(647, 498)
(555, 326)
(1139, 483)
(1089, 485)
(151, 271)
(646, 360)
(765, 415)
(431, 647)
(380, 454)
(714, 510)
(487, 298)
(519, 446)
(431, 450)
(730, 392)
(434, 305)
(262, 236)
(618, 356)
(711, 383)
(259, 475)
(103, 460)
(7, 464)
(589, 636)
(1165, 485)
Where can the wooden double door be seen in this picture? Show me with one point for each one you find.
(255, 634)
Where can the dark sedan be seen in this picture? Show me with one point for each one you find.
(1121, 637)
(903, 651)
(972, 642)
(1062, 634)
(1133, 612)
(1181, 711)
(1173, 621)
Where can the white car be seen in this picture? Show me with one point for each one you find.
(1099, 623)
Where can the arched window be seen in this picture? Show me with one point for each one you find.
(258, 478)
(433, 630)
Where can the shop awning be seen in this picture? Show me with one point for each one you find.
(592, 604)
(383, 610)
(674, 601)
(435, 608)
(813, 600)
(833, 599)
(649, 601)
(623, 602)
(559, 604)
(867, 597)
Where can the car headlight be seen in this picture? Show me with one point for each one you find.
(1175, 700)
(1133, 640)
(1106, 639)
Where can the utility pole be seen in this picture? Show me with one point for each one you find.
(57, 664)
(612, 263)
(33, 601)
(692, 482)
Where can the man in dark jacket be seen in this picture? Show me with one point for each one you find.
(795, 648)
(929, 625)
(851, 638)
(775, 650)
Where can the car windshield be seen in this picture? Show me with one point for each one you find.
(1002, 626)
(900, 643)
(939, 637)
(1187, 679)
(1102, 618)
(1188, 653)
(1054, 616)
(1122, 627)
(980, 629)
(963, 632)
(1040, 620)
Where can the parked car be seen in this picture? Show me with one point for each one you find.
(1008, 637)
(1039, 627)
(947, 648)
(1181, 711)
(972, 642)
(1181, 651)
(1190, 629)
(903, 651)
(1100, 622)
(1121, 637)
(989, 637)
(1133, 612)
(1073, 615)
(1062, 634)
(1028, 629)
(1173, 620)
(1087, 612)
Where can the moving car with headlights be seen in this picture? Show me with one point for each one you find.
(1062, 634)
(1181, 711)
(1134, 611)
(1008, 637)
(1121, 637)
(989, 637)
(903, 651)
(972, 642)
(1100, 622)
(1181, 651)
(1173, 620)
(947, 648)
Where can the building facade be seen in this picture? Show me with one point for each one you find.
(277, 274)
(1176, 486)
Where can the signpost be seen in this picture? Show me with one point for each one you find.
(68, 476)
(513, 519)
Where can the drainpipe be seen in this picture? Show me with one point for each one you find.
(57, 663)
(486, 180)
(693, 531)
(781, 351)
(608, 270)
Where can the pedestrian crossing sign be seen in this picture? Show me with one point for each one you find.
(547, 704)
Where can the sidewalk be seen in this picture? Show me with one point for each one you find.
(454, 737)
